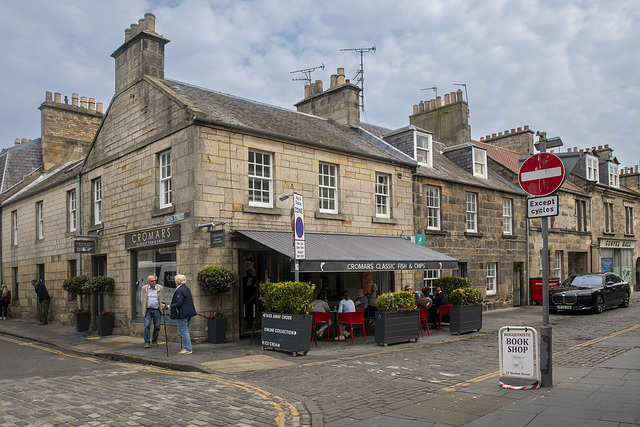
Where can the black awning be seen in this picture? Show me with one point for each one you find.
(352, 252)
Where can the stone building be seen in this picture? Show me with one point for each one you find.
(40, 208)
(178, 177)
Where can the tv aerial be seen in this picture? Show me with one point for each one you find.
(307, 73)
(359, 77)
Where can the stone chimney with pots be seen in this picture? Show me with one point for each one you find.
(630, 178)
(449, 122)
(340, 103)
(67, 130)
(142, 53)
(520, 140)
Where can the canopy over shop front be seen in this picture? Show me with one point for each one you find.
(351, 252)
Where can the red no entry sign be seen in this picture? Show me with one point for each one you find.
(541, 174)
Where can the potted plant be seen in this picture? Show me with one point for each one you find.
(287, 321)
(99, 286)
(75, 285)
(466, 312)
(82, 319)
(215, 281)
(397, 318)
(104, 323)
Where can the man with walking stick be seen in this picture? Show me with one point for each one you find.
(151, 297)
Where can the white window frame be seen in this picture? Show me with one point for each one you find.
(614, 175)
(72, 198)
(557, 265)
(472, 212)
(479, 162)
(423, 148)
(260, 171)
(433, 208)
(491, 278)
(628, 220)
(382, 188)
(39, 220)
(591, 164)
(14, 228)
(608, 217)
(166, 183)
(97, 201)
(581, 215)
(507, 216)
(328, 188)
(429, 277)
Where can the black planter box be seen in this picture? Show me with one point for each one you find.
(465, 318)
(397, 326)
(82, 322)
(217, 329)
(104, 324)
(287, 332)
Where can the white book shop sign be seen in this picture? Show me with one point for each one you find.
(519, 367)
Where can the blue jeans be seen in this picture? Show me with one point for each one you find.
(183, 330)
(151, 314)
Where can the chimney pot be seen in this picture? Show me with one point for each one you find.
(92, 104)
(606, 145)
(421, 107)
(99, 107)
(48, 96)
(23, 140)
(526, 127)
(454, 97)
(74, 99)
(83, 101)
(319, 89)
(341, 76)
(127, 34)
(150, 22)
(438, 101)
(506, 132)
(513, 131)
(134, 30)
(493, 135)
(334, 81)
(482, 138)
(140, 25)
(636, 168)
(432, 104)
(519, 129)
(487, 137)
(307, 91)
(17, 141)
(446, 99)
(57, 97)
(599, 147)
(415, 109)
(459, 92)
(499, 133)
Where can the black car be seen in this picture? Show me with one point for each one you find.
(594, 291)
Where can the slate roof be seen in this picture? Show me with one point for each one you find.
(62, 174)
(18, 162)
(253, 115)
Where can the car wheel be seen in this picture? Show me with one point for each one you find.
(625, 300)
(598, 305)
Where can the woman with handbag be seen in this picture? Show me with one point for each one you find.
(5, 300)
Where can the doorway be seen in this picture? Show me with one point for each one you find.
(98, 268)
(519, 291)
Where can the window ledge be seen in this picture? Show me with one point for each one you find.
(472, 234)
(379, 220)
(260, 210)
(95, 227)
(435, 232)
(337, 217)
(629, 235)
(509, 236)
(164, 211)
(608, 233)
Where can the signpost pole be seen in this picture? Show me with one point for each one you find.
(546, 367)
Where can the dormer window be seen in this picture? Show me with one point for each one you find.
(479, 162)
(592, 168)
(614, 175)
(423, 146)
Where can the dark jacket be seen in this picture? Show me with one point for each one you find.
(7, 299)
(440, 299)
(182, 304)
(41, 291)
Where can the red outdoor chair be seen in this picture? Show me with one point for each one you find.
(321, 317)
(352, 319)
(423, 318)
(443, 309)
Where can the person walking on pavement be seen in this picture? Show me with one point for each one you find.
(151, 297)
(5, 300)
(346, 306)
(182, 309)
(43, 301)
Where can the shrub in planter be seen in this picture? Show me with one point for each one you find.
(449, 283)
(104, 323)
(216, 281)
(288, 323)
(100, 285)
(75, 285)
(466, 296)
(82, 319)
(466, 313)
(397, 318)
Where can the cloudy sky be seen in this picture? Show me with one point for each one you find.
(569, 68)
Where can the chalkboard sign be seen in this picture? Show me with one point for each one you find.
(287, 332)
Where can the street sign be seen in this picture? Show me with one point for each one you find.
(298, 217)
(538, 207)
(541, 174)
(217, 238)
(84, 246)
(299, 249)
(517, 349)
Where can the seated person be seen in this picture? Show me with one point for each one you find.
(361, 301)
(439, 299)
(424, 301)
(346, 306)
(320, 304)
(409, 288)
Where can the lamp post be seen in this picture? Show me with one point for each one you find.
(297, 226)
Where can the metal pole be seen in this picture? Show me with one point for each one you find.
(166, 342)
(546, 367)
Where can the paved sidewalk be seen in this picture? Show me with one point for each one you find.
(607, 394)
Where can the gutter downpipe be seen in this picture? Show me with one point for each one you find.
(79, 219)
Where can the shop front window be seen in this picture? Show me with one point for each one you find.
(160, 262)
